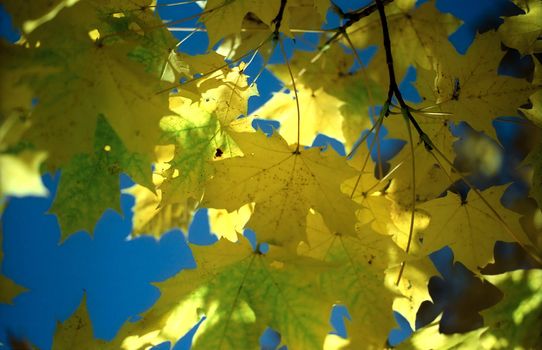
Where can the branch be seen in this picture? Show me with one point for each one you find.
(278, 19)
(351, 17)
(393, 87)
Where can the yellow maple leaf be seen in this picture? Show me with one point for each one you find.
(469, 87)
(433, 176)
(150, 217)
(340, 100)
(523, 31)
(320, 113)
(28, 15)
(370, 192)
(284, 183)
(416, 33)
(535, 160)
(534, 113)
(470, 227)
(229, 100)
(224, 18)
(412, 288)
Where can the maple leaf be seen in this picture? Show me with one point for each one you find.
(471, 227)
(523, 31)
(26, 12)
(325, 69)
(92, 76)
(414, 31)
(457, 301)
(9, 289)
(370, 192)
(229, 100)
(508, 324)
(338, 105)
(88, 86)
(201, 133)
(468, 86)
(534, 111)
(150, 215)
(412, 287)
(284, 183)
(357, 281)
(16, 96)
(432, 175)
(223, 18)
(228, 286)
(380, 209)
(320, 114)
(90, 183)
(77, 332)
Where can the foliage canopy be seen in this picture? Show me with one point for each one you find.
(96, 88)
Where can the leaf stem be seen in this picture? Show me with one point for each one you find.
(413, 209)
(295, 94)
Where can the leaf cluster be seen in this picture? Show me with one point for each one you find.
(96, 88)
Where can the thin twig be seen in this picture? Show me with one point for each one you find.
(243, 30)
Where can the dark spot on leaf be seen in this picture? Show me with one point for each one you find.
(457, 90)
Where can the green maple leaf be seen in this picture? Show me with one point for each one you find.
(90, 183)
(228, 286)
